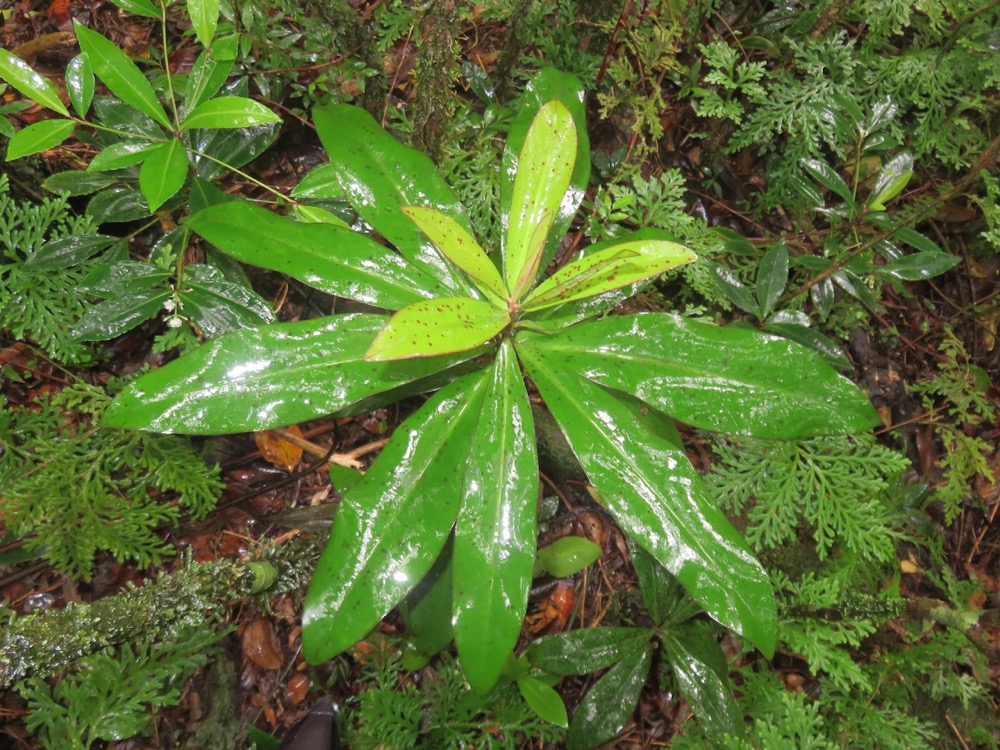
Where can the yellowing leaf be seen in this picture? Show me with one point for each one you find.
(460, 248)
(608, 269)
(544, 169)
(277, 451)
(438, 326)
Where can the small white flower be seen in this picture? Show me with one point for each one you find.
(174, 321)
(169, 305)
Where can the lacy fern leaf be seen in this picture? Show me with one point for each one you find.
(831, 487)
(37, 303)
(79, 489)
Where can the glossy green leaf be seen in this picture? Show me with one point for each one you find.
(891, 180)
(495, 535)
(808, 190)
(218, 306)
(566, 556)
(319, 182)
(122, 278)
(635, 458)
(822, 295)
(314, 215)
(461, 248)
(826, 176)
(426, 612)
(772, 276)
(662, 593)
(736, 291)
(207, 76)
(703, 675)
(615, 267)
(39, 136)
(731, 380)
(35, 86)
(609, 704)
(379, 176)
(536, 248)
(854, 285)
(917, 241)
(76, 182)
(267, 377)
(229, 147)
(920, 266)
(332, 259)
(80, 83)
(546, 85)
(163, 173)
(391, 527)
(880, 116)
(438, 326)
(118, 203)
(543, 700)
(544, 168)
(120, 155)
(561, 316)
(139, 8)
(812, 339)
(66, 252)
(119, 315)
(120, 74)
(204, 194)
(114, 113)
(204, 15)
(586, 650)
(228, 112)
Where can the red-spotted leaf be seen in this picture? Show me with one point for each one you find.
(544, 169)
(611, 268)
(438, 326)
(536, 248)
(544, 86)
(461, 248)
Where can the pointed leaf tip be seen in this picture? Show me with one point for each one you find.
(544, 169)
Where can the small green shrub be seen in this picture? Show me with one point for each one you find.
(464, 324)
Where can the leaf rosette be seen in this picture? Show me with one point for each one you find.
(464, 466)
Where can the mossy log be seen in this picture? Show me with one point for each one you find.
(43, 643)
